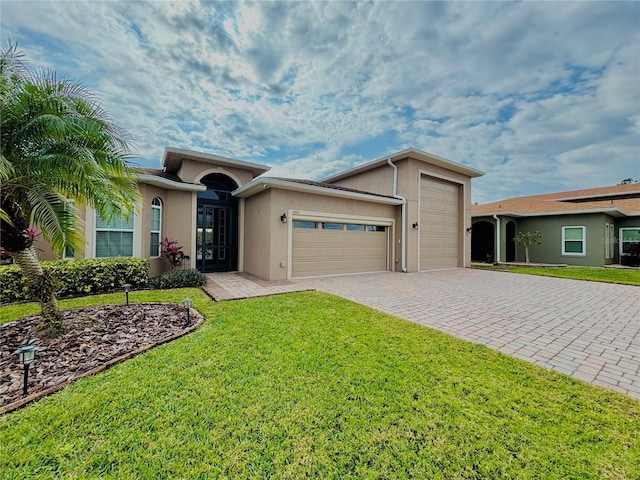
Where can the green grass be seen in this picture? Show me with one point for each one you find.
(311, 385)
(594, 274)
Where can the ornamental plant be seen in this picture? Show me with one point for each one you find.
(526, 240)
(58, 148)
(171, 251)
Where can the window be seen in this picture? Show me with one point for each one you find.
(156, 226)
(609, 240)
(355, 227)
(573, 241)
(376, 228)
(303, 224)
(67, 251)
(332, 226)
(114, 238)
(629, 240)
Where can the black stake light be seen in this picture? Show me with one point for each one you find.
(126, 288)
(25, 357)
(187, 304)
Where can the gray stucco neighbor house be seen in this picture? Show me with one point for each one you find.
(591, 227)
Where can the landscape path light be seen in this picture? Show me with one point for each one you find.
(187, 304)
(126, 288)
(26, 355)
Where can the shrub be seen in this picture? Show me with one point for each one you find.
(78, 277)
(178, 279)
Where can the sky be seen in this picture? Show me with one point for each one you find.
(541, 96)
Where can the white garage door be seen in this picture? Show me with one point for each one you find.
(439, 224)
(332, 248)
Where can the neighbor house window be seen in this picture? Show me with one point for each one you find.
(156, 226)
(629, 240)
(574, 241)
(114, 238)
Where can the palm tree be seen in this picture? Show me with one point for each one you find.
(58, 149)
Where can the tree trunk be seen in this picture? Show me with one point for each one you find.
(42, 288)
(526, 254)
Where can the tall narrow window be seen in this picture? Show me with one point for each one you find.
(68, 252)
(609, 240)
(114, 238)
(156, 227)
(573, 241)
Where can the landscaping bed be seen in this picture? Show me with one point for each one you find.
(95, 338)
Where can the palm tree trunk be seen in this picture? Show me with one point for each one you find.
(42, 288)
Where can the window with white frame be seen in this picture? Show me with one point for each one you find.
(156, 227)
(609, 240)
(574, 241)
(67, 252)
(629, 240)
(114, 238)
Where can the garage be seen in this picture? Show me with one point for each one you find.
(439, 223)
(321, 248)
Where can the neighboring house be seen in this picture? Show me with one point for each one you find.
(596, 227)
(406, 211)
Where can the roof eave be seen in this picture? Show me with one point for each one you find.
(169, 184)
(614, 212)
(172, 159)
(408, 153)
(261, 184)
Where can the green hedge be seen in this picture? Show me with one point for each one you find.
(178, 279)
(78, 277)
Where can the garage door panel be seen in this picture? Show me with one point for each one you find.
(439, 223)
(334, 252)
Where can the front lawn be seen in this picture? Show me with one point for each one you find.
(594, 274)
(311, 385)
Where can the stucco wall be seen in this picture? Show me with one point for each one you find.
(267, 239)
(193, 171)
(380, 180)
(550, 251)
(257, 239)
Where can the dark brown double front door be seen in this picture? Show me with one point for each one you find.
(216, 238)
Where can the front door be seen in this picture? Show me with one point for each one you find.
(216, 238)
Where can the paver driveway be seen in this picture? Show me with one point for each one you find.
(588, 330)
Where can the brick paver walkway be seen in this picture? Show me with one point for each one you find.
(588, 330)
(235, 286)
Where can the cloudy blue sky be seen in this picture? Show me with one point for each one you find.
(542, 96)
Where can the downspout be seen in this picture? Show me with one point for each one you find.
(497, 259)
(403, 214)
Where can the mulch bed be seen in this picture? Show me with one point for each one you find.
(94, 339)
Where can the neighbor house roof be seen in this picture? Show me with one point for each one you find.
(310, 186)
(173, 157)
(408, 153)
(617, 200)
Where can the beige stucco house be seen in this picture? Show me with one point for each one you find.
(409, 211)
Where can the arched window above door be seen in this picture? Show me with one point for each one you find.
(219, 188)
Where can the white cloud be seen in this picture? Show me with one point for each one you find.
(540, 95)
